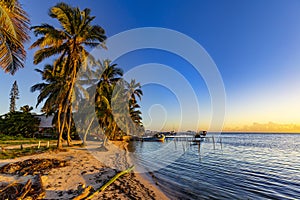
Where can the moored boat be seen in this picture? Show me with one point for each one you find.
(155, 138)
(199, 137)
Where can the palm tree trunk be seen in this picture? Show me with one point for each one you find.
(87, 131)
(69, 140)
(62, 129)
(105, 140)
(59, 139)
(69, 101)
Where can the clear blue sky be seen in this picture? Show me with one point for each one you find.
(255, 45)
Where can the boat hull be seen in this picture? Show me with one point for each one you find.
(154, 139)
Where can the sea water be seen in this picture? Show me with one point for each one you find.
(224, 166)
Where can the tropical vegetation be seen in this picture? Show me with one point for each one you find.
(110, 104)
(75, 87)
(68, 43)
(116, 103)
(19, 123)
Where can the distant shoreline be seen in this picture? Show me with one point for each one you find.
(256, 132)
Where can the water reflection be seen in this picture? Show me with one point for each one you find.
(234, 166)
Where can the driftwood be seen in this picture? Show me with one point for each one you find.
(30, 190)
(25, 190)
(88, 191)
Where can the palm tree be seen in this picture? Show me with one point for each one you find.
(53, 91)
(134, 90)
(69, 43)
(14, 27)
(104, 91)
(116, 103)
(26, 109)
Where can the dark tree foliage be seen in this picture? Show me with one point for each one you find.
(19, 124)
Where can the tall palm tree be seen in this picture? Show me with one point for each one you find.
(53, 91)
(116, 103)
(69, 43)
(14, 28)
(134, 91)
(110, 75)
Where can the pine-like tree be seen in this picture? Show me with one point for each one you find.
(14, 95)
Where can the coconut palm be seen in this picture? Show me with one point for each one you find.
(26, 109)
(53, 91)
(116, 103)
(14, 27)
(110, 75)
(69, 43)
(134, 90)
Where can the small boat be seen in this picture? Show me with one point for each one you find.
(155, 138)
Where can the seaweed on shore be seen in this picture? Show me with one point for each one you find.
(31, 166)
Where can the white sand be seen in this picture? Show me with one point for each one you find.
(91, 166)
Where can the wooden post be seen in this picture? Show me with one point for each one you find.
(213, 140)
(175, 144)
(48, 144)
(39, 144)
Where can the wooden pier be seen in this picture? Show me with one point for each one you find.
(189, 138)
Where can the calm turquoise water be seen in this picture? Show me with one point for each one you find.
(238, 166)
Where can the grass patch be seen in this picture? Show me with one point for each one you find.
(13, 153)
(7, 140)
(19, 142)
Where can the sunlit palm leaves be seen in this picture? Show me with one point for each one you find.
(68, 43)
(53, 90)
(14, 27)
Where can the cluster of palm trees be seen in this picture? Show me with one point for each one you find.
(107, 102)
(100, 90)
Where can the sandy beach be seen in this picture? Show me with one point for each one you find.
(90, 166)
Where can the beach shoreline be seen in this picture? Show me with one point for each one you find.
(90, 166)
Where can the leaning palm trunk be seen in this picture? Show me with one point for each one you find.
(59, 139)
(69, 126)
(87, 131)
(105, 140)
(62, 128)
